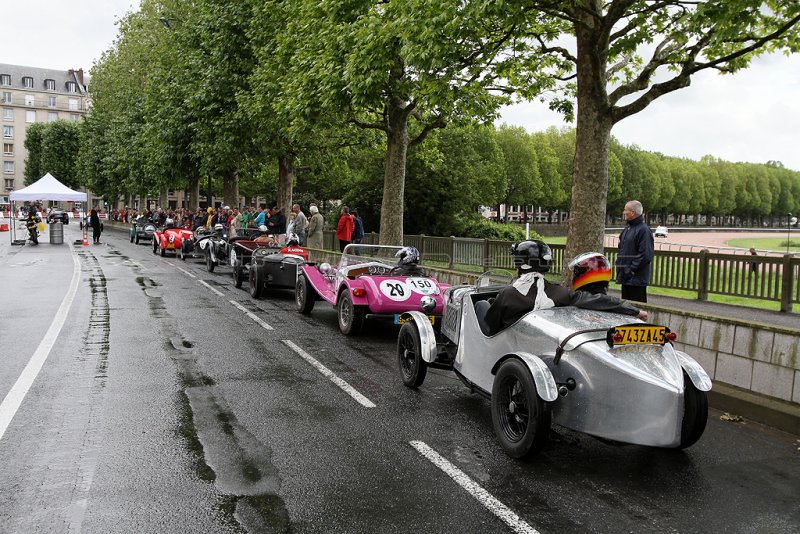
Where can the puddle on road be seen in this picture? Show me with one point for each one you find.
(223, 451)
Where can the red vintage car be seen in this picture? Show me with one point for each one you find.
(170, 238)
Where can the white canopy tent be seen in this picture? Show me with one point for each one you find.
(45, 188)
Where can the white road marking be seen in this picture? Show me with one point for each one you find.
(16, 395)
(350, 390)
(184, 271)
(252, 315)
(211, 288)
(484, 497)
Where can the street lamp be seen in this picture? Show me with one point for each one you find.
(790, 221)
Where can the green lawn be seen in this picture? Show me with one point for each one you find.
(768, 243)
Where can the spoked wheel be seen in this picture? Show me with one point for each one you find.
(136, 239)
(210, 263)
(351, 317)
(238, 274)
(695, 413)
(255, 282)
(520, 418)
(304, 295)
(184, 251)
(155, 246)
(163, 251)
(409, 355)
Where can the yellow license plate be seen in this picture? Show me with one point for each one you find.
(638, 335)
(401, 320)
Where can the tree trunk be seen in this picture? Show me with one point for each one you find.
(286, 173)
(230, 189)
(163, 199)
(593, 134)
(194, 193)
(394, 177)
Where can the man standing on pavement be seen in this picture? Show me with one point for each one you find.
(635, 253)
(300, 223)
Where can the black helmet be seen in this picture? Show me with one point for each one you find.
(292, 240)
(532, 255)
(407, 256)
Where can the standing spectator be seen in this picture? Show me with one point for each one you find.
(236, 223)
(753, 264)
(344, 229)
(290, 224)
(315, 225)
(300, 223)
(358, 227)
(635, 253)
(260, 218)
(276, 222)
(94, 222)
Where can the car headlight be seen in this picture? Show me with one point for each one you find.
(325, 268)
(427, 303)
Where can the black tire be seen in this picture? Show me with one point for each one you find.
(163, 251)
(210, 264)
(304, 295)
(179, 252)
(136, 239)
(409, 356)
(133, 234)
(238, 274)
(183, 250)
(155, 246)
(255, 282)
(695, 413)
(351, 317)
(520, 417)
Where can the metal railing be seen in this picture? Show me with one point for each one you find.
(772, 277)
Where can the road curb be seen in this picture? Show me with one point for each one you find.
(767, 410)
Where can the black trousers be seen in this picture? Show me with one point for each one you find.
(637, 293)
(343, 244)
(96, 234)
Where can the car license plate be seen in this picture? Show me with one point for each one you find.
(401, 320)
(637, 335)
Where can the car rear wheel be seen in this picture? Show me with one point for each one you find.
(255, 282)
(238, 274)
(695, 413)
(409, 355)
(304, 295)
(183, 250)
(210, 263)
(520, 418)
(351, 317)
(133, 234)
(155, 246)
(136, 239)
(163, 251)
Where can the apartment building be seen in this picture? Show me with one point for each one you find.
(29, 95)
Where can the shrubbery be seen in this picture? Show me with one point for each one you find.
(482, 228)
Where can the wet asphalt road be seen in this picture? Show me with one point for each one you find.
(164, 407)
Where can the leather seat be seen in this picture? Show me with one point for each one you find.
(481, 307)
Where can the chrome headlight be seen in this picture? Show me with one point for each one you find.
(325, 268)
(427, 303)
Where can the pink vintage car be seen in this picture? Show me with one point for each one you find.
(371, 281)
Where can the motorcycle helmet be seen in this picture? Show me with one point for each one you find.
(219, 227)
(292, 240)
(407, 256)
(169, 223)
(532, 255)
(263, 228)
(590, 268)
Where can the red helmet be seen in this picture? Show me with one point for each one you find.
(589, 268)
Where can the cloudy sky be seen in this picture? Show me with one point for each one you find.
(751, 116)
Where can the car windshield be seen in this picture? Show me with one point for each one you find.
(356, 254)
(494, 278)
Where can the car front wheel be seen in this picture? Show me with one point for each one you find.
(255, 282)
(155, 246)
(210, 263)
(520, 418)
(304, 295)
(132, 236)
(238, 274)
(409, 355)
(351, 317)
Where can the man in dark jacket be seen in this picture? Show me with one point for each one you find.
(635, 254)
(532, 292)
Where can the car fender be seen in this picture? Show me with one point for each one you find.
(542, 377)
(427, 337)
(319, 282)
(350, 285)
(696, 373)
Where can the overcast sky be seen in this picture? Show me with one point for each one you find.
(751, 116)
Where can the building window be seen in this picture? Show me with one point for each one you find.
(52, 116)
(5, 79)
(73, 104)
(30, 116)
(29, 100)
(9, 184)
(8, 132)
(6, 97)
(74, 117)
(27, 82)
(72, 87)
(8, 149)
(8, 114)
(8, 167)
(50, 85)
(51, 101)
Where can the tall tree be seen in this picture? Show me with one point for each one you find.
(604, 69)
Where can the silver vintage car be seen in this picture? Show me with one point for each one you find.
(593, 372)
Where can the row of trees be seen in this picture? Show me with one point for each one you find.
(242, 90)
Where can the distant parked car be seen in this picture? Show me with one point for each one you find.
(661, 231)
(57, 215)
